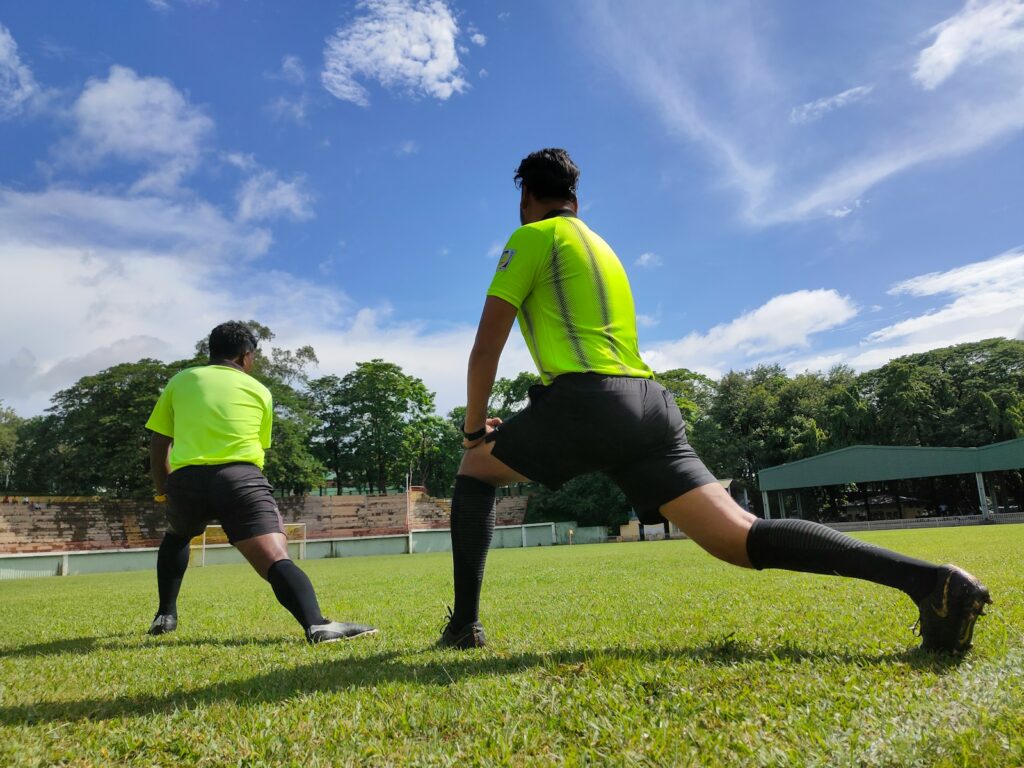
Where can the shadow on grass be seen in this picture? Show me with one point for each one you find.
(80, 646)
(442, 668)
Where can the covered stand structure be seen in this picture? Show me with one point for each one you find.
(879, 463)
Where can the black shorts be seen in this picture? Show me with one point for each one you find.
(237, 495)
(630, 429)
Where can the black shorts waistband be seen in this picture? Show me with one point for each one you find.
(212, 468)
(598, 381)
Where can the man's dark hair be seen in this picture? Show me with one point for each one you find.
(548, 174)
(230, 341)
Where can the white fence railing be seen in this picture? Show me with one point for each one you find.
(929, 522)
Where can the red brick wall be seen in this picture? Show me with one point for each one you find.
(114, 524)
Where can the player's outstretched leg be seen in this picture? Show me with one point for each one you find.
(472, 528)
(268, 554)
(949, 599)
(171, 564)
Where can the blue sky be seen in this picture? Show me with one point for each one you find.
(807, 185)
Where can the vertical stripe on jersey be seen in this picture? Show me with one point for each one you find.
(532, 342)
(602, 294)
(563, 305)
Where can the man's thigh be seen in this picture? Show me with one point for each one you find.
(480, 463)
(187, 500)
(244, 503)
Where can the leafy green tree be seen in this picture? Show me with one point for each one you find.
(509, 396)
(9, 424)
(333, 440)
(963, 395)
(292, 466)
(434, 448)
(99, 430)
(368, 418)
(693, 392)
(38, 456)
(591, 499)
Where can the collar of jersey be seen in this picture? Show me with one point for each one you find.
(560, 212)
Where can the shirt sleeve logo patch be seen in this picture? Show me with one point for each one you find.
(506, 259)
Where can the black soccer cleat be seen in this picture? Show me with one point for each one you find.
(162, 624)
(948, 613)
(467, 636)
(333, 631)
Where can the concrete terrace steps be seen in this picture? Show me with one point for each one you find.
(60, 525)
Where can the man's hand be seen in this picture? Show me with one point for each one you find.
(489, 426)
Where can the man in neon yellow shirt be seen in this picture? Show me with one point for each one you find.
(211, 426)
(599, 409)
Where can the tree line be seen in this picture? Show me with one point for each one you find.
(376, 427)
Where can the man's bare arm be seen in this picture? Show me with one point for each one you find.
(491, 336)
(159, 466)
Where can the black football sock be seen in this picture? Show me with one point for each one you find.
(472, 528)
(800, 545)
(295, 592)
(171, 564)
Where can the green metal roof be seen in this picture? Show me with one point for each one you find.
(870, 463)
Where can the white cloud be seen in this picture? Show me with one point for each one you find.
(17, 86)
(96, 221)
(707, 71)
(646, 321)
(265, 196)
(648, 259)
(814, 110)
(844, 211)
(987, 301)
(292, 109)
(106, 305)
(292, 70)
(780, 325)
(983, 300)
(294, 106)
(408, 147)
(165, 5)
(112, 275)
(140, 120)
(479, 39)
(243, 160)
(407, 45)
(982, 30)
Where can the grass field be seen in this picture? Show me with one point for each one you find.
(627, 654)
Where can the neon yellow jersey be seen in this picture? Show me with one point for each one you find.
(575, 306)
(216, 415)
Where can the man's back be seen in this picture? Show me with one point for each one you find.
(575, 304)
(216, 414)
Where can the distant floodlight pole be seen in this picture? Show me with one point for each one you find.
(408, 510)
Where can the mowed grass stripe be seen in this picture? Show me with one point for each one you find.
(649, 653)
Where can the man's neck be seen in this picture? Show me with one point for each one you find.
(226, 363)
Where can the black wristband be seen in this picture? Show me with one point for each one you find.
(471, 436)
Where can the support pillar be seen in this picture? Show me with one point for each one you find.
(982, 497)
(767, 508)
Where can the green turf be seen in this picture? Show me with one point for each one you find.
(620, 654)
